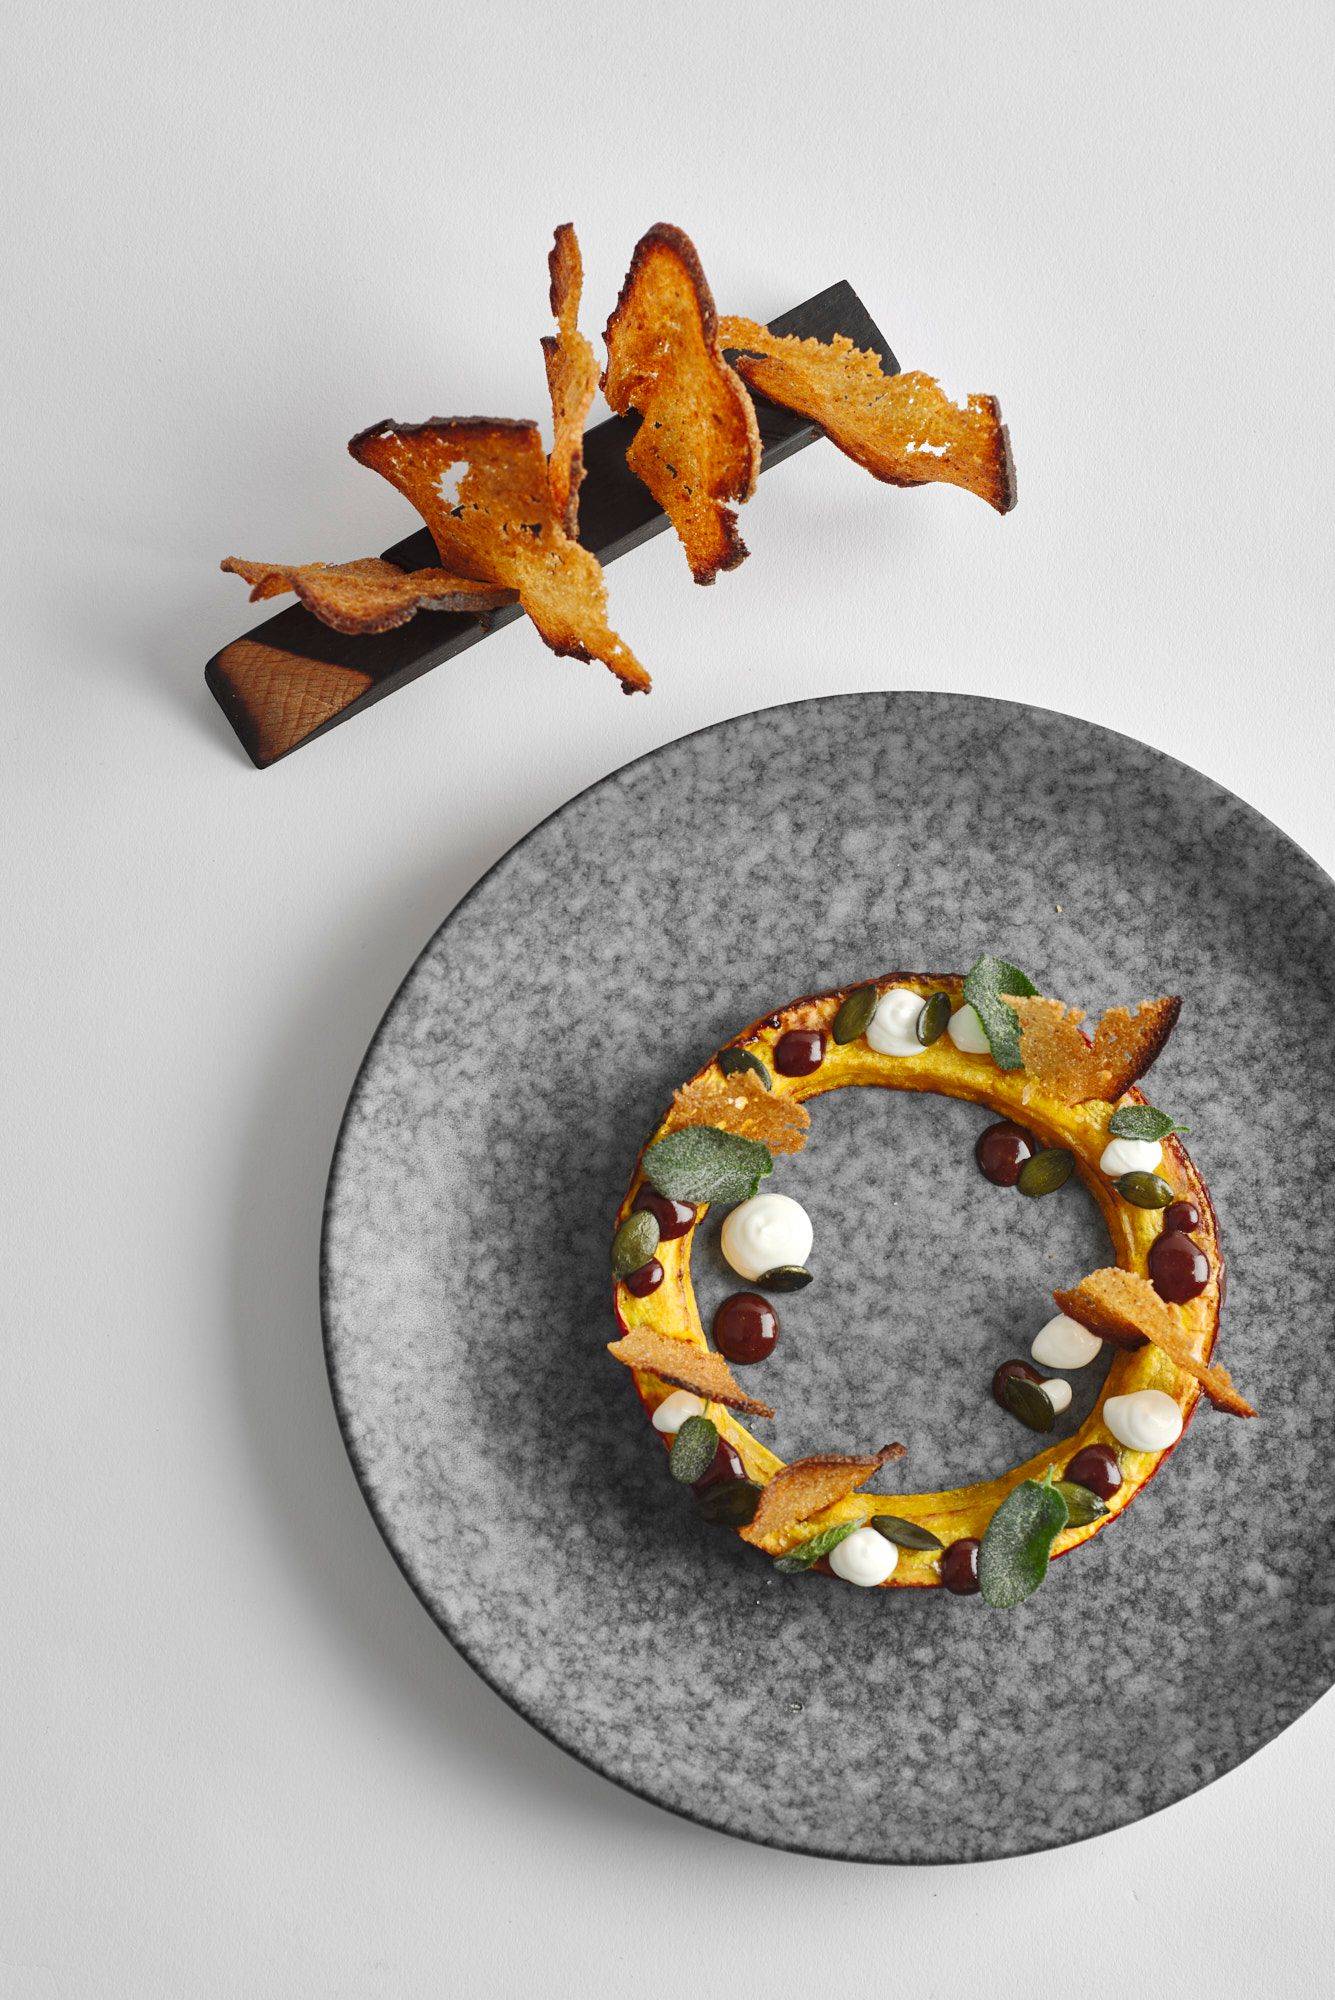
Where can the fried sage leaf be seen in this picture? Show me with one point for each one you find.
(1142, 1121)
(693, 1450)
(984, 986)
(731, 1503)
(1027, 1401)
(1013, 1558)
(854, 1016)
(701, 1163)
(904, 1534)
(1082, 1506)
(634, 1243)
(733, 1061)
(810, 1552)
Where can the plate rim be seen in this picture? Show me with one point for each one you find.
(1320, 878)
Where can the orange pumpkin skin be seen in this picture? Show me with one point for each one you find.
(957, 1512)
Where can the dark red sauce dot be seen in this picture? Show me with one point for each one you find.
(1096, 1468)
(800, 1051)
(1004, 1374)
(647, 1279)
(746, 1328)
(1179, 1269)
(727, 1464)
(1001, 1151)
(1181, 1215)
(674, 1217)
(959, 1567)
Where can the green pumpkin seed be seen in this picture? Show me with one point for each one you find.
(733, 1061)
(933, 1022)
(693, 1450)
(1027, 1401)
(854, 1016)
(1145, 1190)
(1082, 1506)
(785, 1278)
(730, 1504)
(904, 1534)
(634, 1243)
(1045, 1172)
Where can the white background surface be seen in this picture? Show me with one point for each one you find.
(237, 1758)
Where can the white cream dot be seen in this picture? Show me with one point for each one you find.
(967, 1032)
(864, 1558)
(761, 1234)
(1146, 1420)
(673, 1411)
(1130, 1156)
(893, 1030)
(1064, 1343)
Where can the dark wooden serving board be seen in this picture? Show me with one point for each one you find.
(292, 678)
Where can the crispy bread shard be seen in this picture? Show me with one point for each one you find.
(698, 447)
(808, 1486)
(572, 378)
(1121, 1305)
(1069, 1067)
(686, 1366)
(1125, 1044)
(903, 429)
(480, 484)
(368, 595)
(741, 1104)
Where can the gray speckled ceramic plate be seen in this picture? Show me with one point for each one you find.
(467, 1297)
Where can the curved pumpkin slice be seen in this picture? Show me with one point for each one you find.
(698, 447)
(572, 378)
(685, 1366)
(368, 595)
(903, 429)
(480, 484)
(806, 1487)
(1123, 1308)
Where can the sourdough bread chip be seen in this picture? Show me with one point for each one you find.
(1125, 1044)
(368, 595)
(1073, 1068)
(685, 1366)
(572, 378)
(903, 429)
(740, 1103)
(480, 484)
(808, 1486)
(698, 447)
(1120, 1305)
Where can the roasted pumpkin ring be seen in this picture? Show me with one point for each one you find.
(958, 1512)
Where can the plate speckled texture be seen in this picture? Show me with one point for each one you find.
(467, 1296)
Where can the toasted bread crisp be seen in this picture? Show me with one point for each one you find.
(741, 1104)
(1055, 1053)
(1125, 1044)
(698, 447)
(367, 595)
(499, 525)
(686, 1366)
(808, 1486)
(572, 378)
(903, 429)
(1071, 1068)
(1119, 1304)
